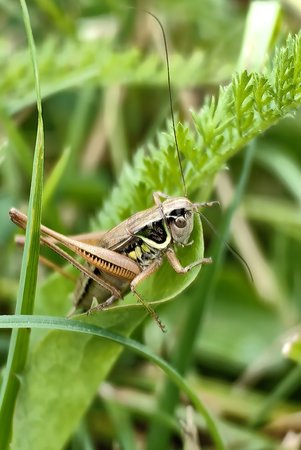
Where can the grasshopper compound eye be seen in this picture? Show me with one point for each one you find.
(181, 222)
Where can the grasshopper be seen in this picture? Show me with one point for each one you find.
(120, 259)
(127, 254)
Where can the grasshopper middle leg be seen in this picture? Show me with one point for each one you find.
(134, 283)
(177, 266)
(142, 276)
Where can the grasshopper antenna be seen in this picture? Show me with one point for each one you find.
(170, 98)
(229, 247)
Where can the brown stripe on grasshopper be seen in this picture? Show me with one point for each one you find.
(106, 266)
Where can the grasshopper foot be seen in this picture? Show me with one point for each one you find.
(101, 306)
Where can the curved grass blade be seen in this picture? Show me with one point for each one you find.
(58, 323)
(25, 300)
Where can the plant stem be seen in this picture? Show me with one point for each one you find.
(159, 435)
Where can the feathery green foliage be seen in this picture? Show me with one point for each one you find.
(244, 109)
(96, 62)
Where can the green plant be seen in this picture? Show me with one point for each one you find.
(249, 105)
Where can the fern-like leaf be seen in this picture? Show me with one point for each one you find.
(248, 106)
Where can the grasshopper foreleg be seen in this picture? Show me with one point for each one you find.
(157, 197)
(177, 266)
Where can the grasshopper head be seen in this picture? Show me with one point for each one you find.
(179, 212)
(179, 217)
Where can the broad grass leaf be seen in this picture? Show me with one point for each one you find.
(67, 368)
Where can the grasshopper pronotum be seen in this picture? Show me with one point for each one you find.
(119, 259)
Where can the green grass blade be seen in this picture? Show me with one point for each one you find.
(261, 29)
(82, 439)
(19, 147)
(288, 385)
(284, 167)
(55, 177)
(285, 387)
(25, 300)
(58, 323)
(158, 435)
(123, 425)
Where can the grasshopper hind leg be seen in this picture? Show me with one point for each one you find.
(109, 302)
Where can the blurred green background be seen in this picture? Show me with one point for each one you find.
(94, 121)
